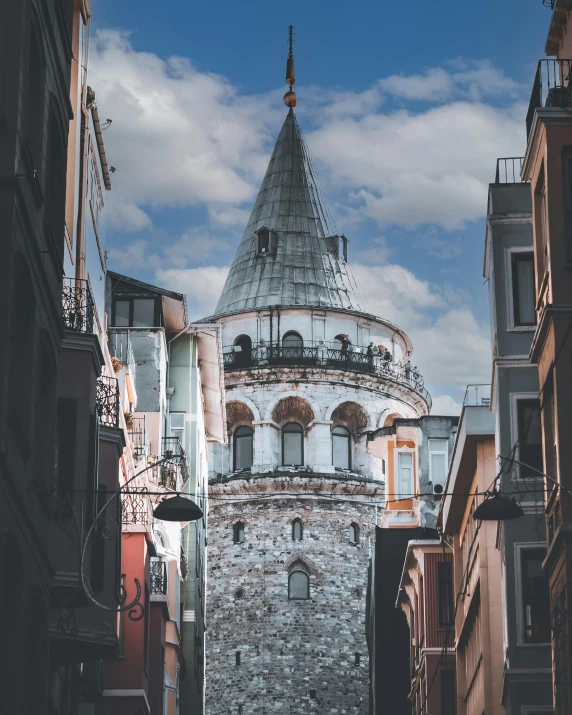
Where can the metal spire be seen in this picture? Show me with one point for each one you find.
(290, 96)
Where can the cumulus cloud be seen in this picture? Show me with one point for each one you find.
(135, 256)
(126, 216)
(202, 286)
(446, 405)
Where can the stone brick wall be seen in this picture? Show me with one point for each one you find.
(295, 656)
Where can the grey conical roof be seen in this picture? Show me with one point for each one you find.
(306, 266)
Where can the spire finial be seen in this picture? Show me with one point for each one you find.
(290, 96)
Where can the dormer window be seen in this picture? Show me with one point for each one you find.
(343, 248)
(266, 241)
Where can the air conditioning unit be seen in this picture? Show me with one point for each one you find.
(438, 490)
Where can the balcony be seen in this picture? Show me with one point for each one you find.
(78, 307)
(120, 347)
(551, 88)
(107, 399)
(509, 169)
(158, 578)
(136, 508)
(323, 355)
(138, 436)
(478, 395)
(173, 474)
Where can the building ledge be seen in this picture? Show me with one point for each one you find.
(85, 342)
(549, 313)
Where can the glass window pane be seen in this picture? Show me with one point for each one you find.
(529, 438)
(438, 468)
(523, 289)
(292, 340)
(535, 596)
(341, 451)
(239, 533)
(353, 534)
(243, 448)
(299, 585)
(292, 436)
(143, 312)
(122, 313)
(297, 530)
(405, 473)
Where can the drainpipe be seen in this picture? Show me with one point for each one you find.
(88, 97)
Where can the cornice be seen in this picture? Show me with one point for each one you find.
(549, 312)
(543, 116)
(85, 342)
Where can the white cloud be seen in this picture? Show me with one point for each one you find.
(197, 245)
(202, 286)
(446, 405)
(132, 257)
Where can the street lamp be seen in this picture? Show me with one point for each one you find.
(177, 508)
(498, 508)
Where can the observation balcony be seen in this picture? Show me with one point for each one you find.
(551, 88)
(78, 306)
(322, 355)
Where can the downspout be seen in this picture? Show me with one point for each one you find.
(88, 97)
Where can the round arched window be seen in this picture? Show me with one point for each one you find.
(243, 451)
(242, 350)
(297, 530)
(298, 586)
(341, 445)
(292, 444)
(353, 534)
(292, 339)
(238, 532)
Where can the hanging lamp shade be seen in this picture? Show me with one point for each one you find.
(177, 508)
(498, 508)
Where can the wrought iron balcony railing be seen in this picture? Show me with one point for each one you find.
(107, 397)
(508, 170)
(78, 307)
(136, 509)
(139, 436)
(172, 447)
(321, 355)
(158, 578)
(551, 88)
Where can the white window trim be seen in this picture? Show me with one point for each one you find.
(514, 399)
(511, 327)
(445, 452)
(396, 480)
(518, 548)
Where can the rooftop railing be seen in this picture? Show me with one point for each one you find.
(509, 169)
(551, 88)
(477, 395)
(78, 307)
(107, 398)
(355, 359)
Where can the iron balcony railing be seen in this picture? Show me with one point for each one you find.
(158, 578)
(139, 436)
(551, 87)
(78, 307)
(477, 395)
(136, 508)
(509, 169)
(321, 355)
(107, 398)
(172, 447)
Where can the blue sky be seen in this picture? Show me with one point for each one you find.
(405, 109)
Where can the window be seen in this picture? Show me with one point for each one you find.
(264, 241)
(297, 530)
(134, 312)
(292, 345)
(293, 444)
(353, 534)
(448, 696)
(237, 658)
(341, 443)
(529, 438)
(541, 220)
(177, 420)
(344, 248)
(238, 532)
(404, 474)
(243, 441)
(535, 597)
(242, 350)
(438, 460)
(523, 293)
(357, 658)
(383, 467)
(445, 592)
(298, 586)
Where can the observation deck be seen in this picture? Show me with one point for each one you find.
(322, 355)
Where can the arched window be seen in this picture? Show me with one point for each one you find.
(243, 350)
(341, 445)
(297, 530)
(292, 345)
(353, 534)
(243, 439)
(298, 586)
(238, 532)
(293, 444)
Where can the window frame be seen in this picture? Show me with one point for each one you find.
(515, 398)
(445, 452)
(131, 297)
(348, 437)
(301, 432)
(399, 494)
(295, 523)
(519, 548)
(236, 438)
(237, 527)
(297, 598)
(511, 258)
(356, 530)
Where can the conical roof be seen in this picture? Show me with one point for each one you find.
(303, 263)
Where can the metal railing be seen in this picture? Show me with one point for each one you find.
(158, 578)
(509, 169)
(78, 306)
(136, 509)
(355, 359)
(477, 395)
(172, 447)
(551, 87)
(139, 436)
(107, 399)
(121, 348)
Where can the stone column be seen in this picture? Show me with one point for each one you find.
(267, 446)
(320, 446)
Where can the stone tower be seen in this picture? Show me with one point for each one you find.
(296, 495)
